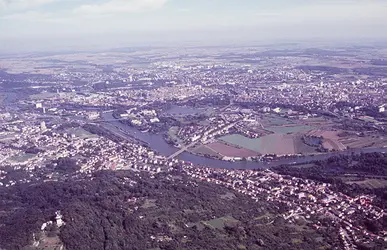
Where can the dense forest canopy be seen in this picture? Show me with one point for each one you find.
(130, 210)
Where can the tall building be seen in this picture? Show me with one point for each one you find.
(43, 126)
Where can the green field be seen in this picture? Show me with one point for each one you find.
(275, 120)
(202, 149)
(292, 129)
(81, 133)
(269, 144)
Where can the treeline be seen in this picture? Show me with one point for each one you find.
(336, 168)
(128, 210)
(64, 165)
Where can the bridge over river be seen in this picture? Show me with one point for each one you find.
(182, 150)
(157, 143)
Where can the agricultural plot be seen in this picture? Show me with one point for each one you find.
(290, 129)
(364, 142)
(271, 144)
(280, 136)
(273, 120)
(316, 121)
(284, 136)
(331, 139)
(332, 145)
(301, 148)
(205, 150)
(319, 123)
(230, 151)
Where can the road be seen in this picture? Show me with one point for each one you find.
(113, 130)
(183, 149)
(231, 103)
(11, 123)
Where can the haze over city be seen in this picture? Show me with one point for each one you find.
(27, 25)
(193, 124)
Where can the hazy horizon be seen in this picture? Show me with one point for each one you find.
(43, 25)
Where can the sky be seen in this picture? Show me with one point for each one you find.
(49, 24)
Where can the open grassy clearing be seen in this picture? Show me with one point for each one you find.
(228, 196)
(274, 120)
(205, 150)
(301, 148)
(271, 144)
(81, 133)
(230, 151)
(370, 183)
(218, 223)
(149, 203)
(289, 129)
(296, 241)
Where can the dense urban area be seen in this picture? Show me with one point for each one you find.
(253, 147)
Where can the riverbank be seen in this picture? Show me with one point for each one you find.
(157, 143)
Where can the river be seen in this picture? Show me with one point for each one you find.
(158, 144)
